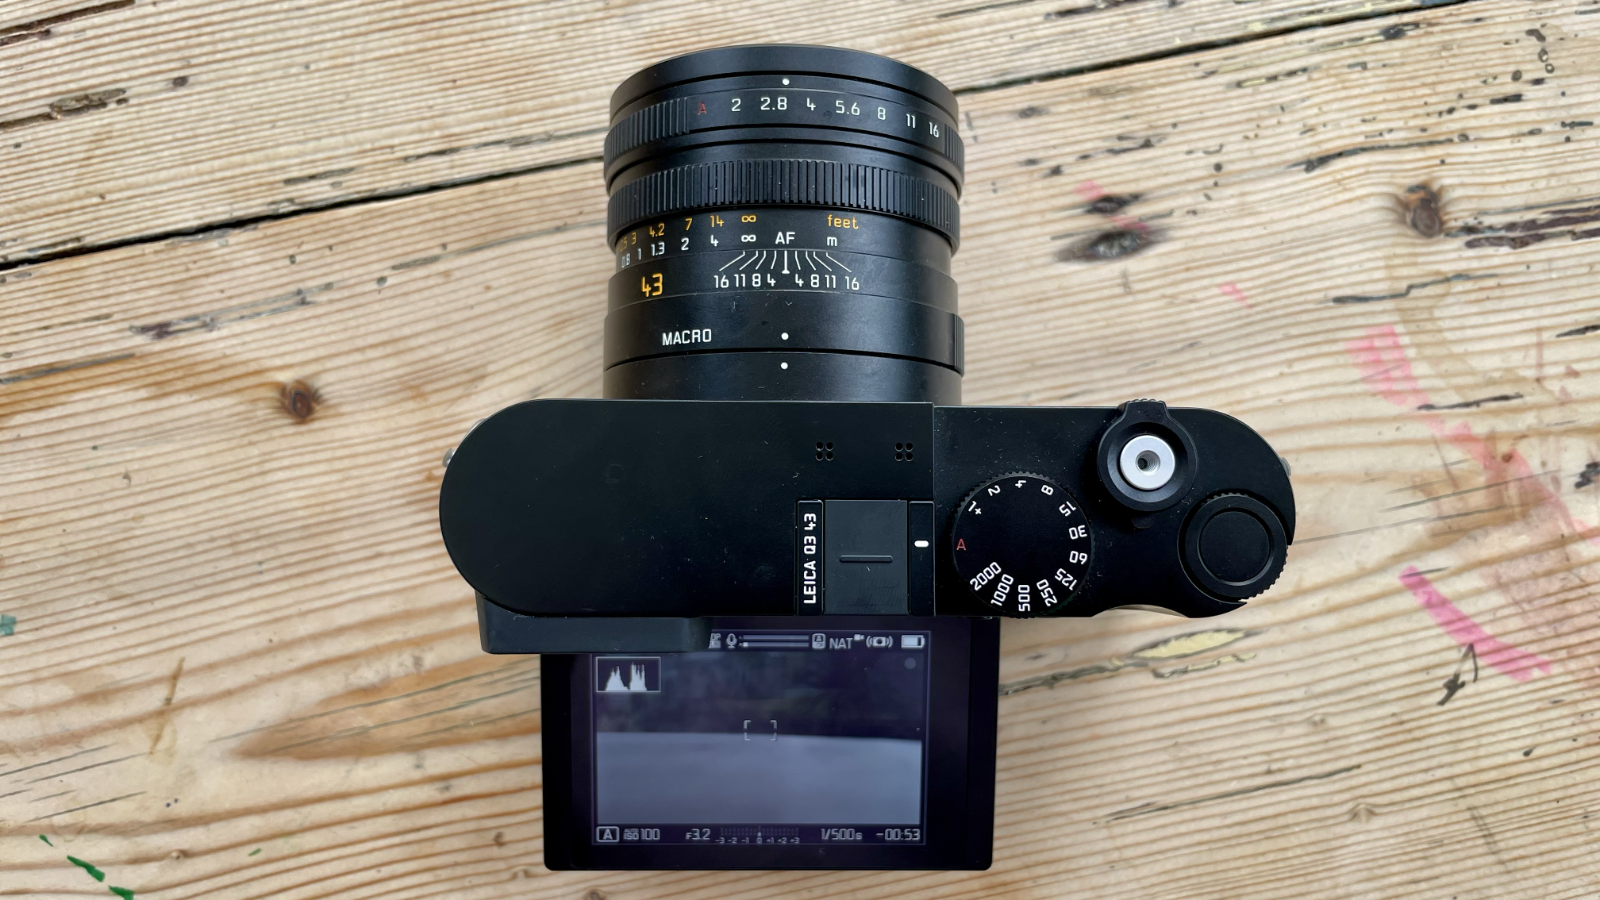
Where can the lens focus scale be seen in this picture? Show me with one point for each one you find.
(783, 219)
(784, 182)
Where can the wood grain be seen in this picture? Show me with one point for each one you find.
(235, 629)
(121, 120)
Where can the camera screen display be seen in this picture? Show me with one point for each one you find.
(768, 737)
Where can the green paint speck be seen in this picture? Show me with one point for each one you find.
(8, 627)
(94, 873)
(124, 893)
(255, 851)
(46, 840)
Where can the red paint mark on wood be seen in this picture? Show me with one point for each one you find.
(1090, 190)
(1232, 291)
(1513, 662)
(1384, 366)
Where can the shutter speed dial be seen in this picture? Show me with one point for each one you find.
(1022, 544)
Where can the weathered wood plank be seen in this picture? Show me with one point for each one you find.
(235, 628)
(119, 119)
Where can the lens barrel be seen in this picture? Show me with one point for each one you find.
(783, 219)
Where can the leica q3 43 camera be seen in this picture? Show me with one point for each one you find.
(765, 570)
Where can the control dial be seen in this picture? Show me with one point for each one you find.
(1022, 544)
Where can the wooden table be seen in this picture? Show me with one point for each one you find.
(262, 265)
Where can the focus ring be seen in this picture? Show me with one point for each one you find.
(787, 182)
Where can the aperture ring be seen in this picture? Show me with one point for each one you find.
(787, 182)
(669, 118)
(838, 108)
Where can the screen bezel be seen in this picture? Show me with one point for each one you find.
(958, 813)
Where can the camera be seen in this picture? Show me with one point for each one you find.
(765, 572)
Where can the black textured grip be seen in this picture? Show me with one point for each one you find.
(653, 123)
(787, 182)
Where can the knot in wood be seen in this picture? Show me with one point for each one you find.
(1112, 244)
(299, 400)
(1422, 211)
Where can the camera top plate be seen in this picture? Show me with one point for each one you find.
(585, 508)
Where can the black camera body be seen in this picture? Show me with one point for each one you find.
(765, 574)
(614, 525)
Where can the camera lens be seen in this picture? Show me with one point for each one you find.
(783, 219)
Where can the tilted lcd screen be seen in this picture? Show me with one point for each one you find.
(768, 737)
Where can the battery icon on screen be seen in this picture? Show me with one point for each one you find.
(912, 642)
